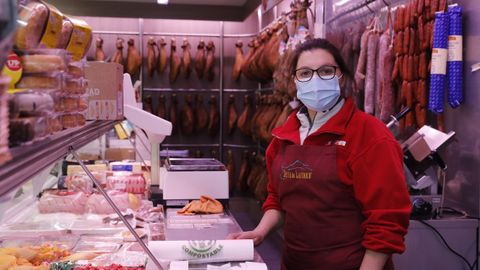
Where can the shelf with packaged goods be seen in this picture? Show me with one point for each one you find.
(30, 159)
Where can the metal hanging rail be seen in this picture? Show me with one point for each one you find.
(350, 10)
(180, 90)
(239, 146)
(117, 33)
(240, 35)
(182, 34)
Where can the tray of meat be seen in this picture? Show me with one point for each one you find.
(53, 201)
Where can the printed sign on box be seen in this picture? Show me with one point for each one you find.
(105, 91)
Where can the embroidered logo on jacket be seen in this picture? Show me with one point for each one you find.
(296, 171)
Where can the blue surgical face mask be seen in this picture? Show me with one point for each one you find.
(317, 94)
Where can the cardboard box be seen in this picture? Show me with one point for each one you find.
(105, 91)
(117, 154)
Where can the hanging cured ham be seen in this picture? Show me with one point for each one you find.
(174, 62)
(162, 110)
(231, 171)
(151, 56)
(243, 123)
(210, 66)
(214, 116)
(187, 116)
(232, 114)
(118, 55)
(237, 66)
(201, 114)
(162, 55)
(187, 59)
(200, 59)
(134, 60)
(99, 53)
(173, 111)
(244, 172)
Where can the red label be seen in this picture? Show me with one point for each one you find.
(13, 62)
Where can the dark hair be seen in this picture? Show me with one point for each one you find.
(320, 43)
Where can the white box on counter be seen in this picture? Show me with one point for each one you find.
(105, 91)
(183, 185)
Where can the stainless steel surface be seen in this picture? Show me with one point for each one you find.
(116, 32)
(116, 209)
(194, 164)
(29, 160)
(240, 35)
(164, 145)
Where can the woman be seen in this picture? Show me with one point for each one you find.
(336, 177)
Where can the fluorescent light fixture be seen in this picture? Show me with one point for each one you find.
(339, 3)
(162, 2)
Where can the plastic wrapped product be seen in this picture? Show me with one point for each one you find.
(75, 86)
(97, 204)
(76, 70)
(79, 182)
(455, 57)
(438, 72)
(4, 121)
(80, 40)
(69, 120)
(81, 118)
(53, 201)
(40, 81)
(32, 20)
(126, 181)
(54, 122)
(44, 61)
(67, 29)
(53, 28)
(156, 231)
(27, 129)
(70, 103)
(57, 97)
(30, 103)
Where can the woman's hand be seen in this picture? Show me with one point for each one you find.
(255, 235)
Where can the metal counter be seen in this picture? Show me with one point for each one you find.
(202, 227)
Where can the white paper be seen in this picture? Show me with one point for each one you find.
(439, 61)
(203, 251)
(455, 48)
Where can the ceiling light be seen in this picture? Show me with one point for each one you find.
(341, 2)
(162, 2)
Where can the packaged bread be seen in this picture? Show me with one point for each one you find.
(67, 29)
(75, 86)
(32, 19)
(30, 103)
(69, 120)
(57, 96)
(23, 130)
(81, 119)
(80, 40)
(40, 81)
(53, 28)
(76, 70)
(44, 61)
(70, 103)
(54, 122)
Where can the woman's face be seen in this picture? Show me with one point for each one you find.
(315, 59)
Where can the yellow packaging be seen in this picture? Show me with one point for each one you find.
(31, 21)
(13, 69)
(53, 30)
(80, 39)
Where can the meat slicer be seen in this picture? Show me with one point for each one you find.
(421, 163)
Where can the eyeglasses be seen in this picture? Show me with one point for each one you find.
(324, 72)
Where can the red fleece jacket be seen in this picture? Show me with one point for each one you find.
(370, 160)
